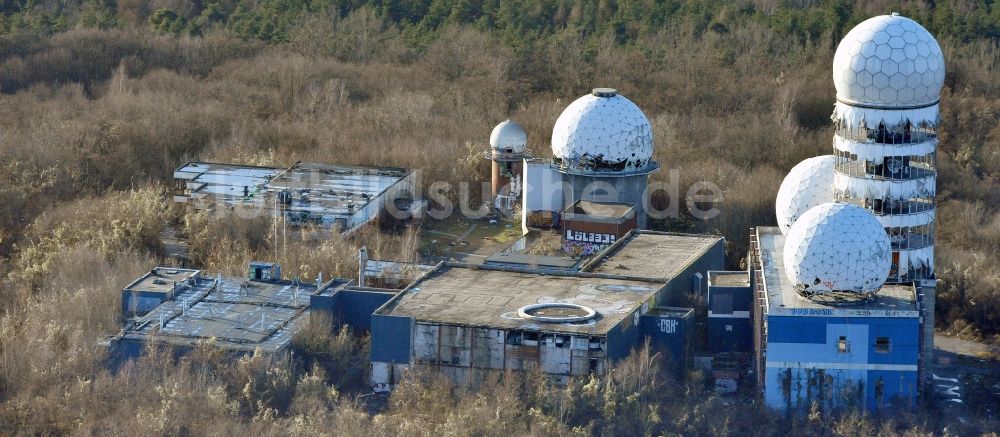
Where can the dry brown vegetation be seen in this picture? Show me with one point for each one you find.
(93, 121)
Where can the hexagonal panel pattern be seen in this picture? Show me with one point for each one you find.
(603, 132)
(889, 61)
(836, 247)
(508, 136)
(808, 184)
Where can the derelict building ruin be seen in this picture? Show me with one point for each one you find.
(467, 322)
(326, 195)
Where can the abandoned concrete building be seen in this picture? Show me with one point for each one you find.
(327, 195)
(869, 354)
(467, 322)
(183, 307)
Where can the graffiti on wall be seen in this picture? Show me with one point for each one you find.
(580, 243)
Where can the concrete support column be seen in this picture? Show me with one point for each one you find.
(927, 296)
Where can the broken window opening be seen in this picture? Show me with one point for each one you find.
(882, 345)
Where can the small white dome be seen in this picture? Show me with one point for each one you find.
(888, 61)
(603, 131)
(836, 247)
(508, 137)
(808, 184)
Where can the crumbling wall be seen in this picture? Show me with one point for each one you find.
(470, 354)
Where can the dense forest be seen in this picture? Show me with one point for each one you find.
(101, 99)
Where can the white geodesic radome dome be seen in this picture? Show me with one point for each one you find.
(837, 247)
(808, 184)
(603, 131)
(888, 62)
(508, 137)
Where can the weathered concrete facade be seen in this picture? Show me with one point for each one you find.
(609, 187)
(469, 354)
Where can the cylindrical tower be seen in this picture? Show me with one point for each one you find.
(508, 148)
(888, 72)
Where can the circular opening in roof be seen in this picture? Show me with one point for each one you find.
(605, 92)
(556, 313)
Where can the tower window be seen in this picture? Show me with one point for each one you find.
(882, 345)
(842, 346)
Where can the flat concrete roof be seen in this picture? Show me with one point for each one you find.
(600, 209)
(162, 279)
(486, 297)
(239, 314)
(782, 299)
(718, 278)
(670, 312)
(338, 285)
(651, 254)
(223, 182)
(333, 188)
(524, 260)
(313, 191)
(394, 270)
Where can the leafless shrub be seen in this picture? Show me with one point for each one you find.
(93, 122)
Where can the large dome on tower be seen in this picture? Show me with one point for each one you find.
(888, 62)
(603, 131)
(837, 248)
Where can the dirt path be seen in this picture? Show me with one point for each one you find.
(965, 381)
(174, 248)
(958, 346)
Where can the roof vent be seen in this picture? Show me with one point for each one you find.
(894, 14)
(605, 92)
(556, 312)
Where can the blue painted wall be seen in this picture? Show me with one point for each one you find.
(683, 282)
(624, 337)
(739, 298)
(670, 335)
(667, 333)
(353, 308)
(141, 302)
(392, 339)
(728, 332)
(863, 376)
(324, 302)
(898, 389)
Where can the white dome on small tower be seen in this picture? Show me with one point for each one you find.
(508, 137)
(888, 62)
(603, 131)
(837, 249)
(808, 184)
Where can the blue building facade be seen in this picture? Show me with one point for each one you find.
(868, 354)
(729, 327)
(837, 361)
(669, 332)
(350, 305)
